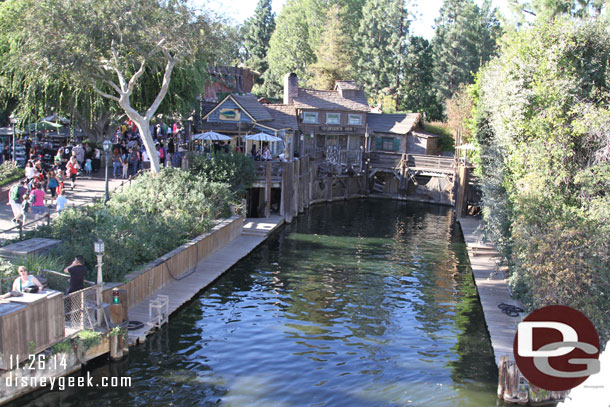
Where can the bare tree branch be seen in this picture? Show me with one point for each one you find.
(171, 61)
(103, 94)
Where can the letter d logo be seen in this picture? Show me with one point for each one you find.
(556, 348)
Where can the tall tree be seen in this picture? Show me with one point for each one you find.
(114, 48)
(333, 59)
(289, 49)
(382, 39)
(259, 29)
(465, 38)
(417, 93)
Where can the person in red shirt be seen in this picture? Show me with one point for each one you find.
(72, 169)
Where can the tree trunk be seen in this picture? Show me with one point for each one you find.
(144, 127)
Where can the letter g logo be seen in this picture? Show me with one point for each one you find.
(553, 344)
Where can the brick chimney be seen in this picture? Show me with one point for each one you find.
(291, 88)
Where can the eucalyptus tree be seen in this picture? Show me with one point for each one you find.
(115, 48)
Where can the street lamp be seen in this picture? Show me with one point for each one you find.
(14, 120)
(98, 248)
(106, 145)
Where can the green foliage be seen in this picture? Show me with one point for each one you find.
(61, 347)
(447, 141)
(333, 62)
(417, 95)
(381, 43)
(141, 223)
(31, 347)
(289, 48)
(259, 29)
(541, 122)
(234, 169)
(87, 338)
(9, 172)
(465, 38)
(118, 331)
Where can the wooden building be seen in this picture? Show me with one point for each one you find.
(332, 121)
(238, 115)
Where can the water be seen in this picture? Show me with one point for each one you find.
(365, 303)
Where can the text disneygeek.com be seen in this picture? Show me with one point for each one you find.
(61, 383)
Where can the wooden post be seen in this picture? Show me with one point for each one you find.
(295, 177)
(268, 187)
(461, 192)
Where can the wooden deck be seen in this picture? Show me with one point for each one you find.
(492, 287)
(181, 291)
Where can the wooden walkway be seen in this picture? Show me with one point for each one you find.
(492, 287)
(181, 291)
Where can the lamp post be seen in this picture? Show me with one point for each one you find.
(98, 248)
(106, 145)
(14, 120)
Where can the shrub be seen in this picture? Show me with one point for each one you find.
(447, 141)
(235, 169)
(9, 172)
(141, 223)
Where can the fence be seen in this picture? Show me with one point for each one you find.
(80, 310)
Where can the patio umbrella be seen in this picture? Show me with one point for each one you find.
(44, 125)
(262, 137)
(211, 135)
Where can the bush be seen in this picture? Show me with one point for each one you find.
(235, 169)
(447, 141)
(9, 172)
(141, 223)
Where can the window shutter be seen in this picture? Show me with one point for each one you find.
(378, 143)
(396, 144)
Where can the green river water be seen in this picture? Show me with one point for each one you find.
(364, 303)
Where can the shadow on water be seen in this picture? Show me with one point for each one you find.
(354, 304)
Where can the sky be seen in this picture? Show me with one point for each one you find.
(426, 11)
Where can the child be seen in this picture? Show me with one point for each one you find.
(60, 182)
(125, 165)
(88, 167)
(61, 202)
(53, 184)
(25, 206)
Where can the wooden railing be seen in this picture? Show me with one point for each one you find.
(387, 160)
(276, 170)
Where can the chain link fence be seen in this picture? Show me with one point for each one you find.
(80, 310)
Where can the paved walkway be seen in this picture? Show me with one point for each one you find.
(85, 191)
(180, 292)
(492, 287)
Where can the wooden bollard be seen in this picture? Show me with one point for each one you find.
(116, 347)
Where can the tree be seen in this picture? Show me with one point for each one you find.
(464, 40)
(289, 49)
(258, 31)
(381, 41)
(333, 61)
(542, 123)
(114, 47)
(417, 93)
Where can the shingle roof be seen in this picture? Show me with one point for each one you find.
(284, 117)
(330, 100)
(347, 85)
(392, 123)
(252, 106)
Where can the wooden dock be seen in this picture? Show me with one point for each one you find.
(493, 288)
(181, 291)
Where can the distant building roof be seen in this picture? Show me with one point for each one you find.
(392, 123)
(347, 85)
(284, 117)
(250, 103)
(424, 134)
(330, 100)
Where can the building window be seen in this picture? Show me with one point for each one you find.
(333, 118)
(387, 144)
(354, 119)
(310, 117)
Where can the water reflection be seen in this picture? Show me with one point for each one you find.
(358, 304)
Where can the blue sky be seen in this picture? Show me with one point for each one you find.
(426, 11)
